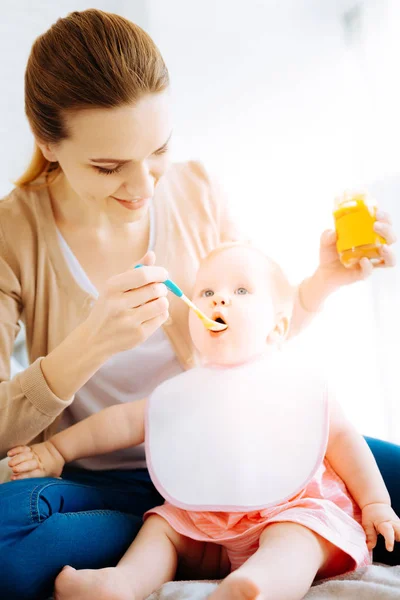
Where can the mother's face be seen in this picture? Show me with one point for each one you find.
(114, 157)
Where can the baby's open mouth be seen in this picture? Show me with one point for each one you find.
(218, 318)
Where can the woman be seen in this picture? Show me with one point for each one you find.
(98, 197)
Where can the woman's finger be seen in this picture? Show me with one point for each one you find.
(20, 458)
(149, 327)
(26, 467)
(18, 450)
(148, 259)
(328, 238)
(388, 257)
(148, 293)
(384, 217)
(151, 310)
(136, 278)
(366, 267)
(386, 231)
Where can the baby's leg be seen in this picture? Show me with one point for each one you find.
(283, 568)
(150, 561)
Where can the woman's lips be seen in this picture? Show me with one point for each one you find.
(131, 204)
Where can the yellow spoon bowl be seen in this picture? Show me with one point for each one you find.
(208, 323)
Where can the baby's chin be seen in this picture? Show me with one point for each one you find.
(230, 359)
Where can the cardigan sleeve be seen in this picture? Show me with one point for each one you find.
(27, 404)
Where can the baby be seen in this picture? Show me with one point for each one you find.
(248, 450)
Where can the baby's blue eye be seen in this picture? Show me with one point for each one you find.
(208, 293)
(241, 291)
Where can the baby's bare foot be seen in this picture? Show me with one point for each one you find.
(236, 587)
(104, 584)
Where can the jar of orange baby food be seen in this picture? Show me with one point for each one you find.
(355, 215)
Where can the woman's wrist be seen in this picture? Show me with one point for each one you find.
(71, 364)
(314, 290)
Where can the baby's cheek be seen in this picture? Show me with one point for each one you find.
(198, 332)
(246, 337)
(266, 316)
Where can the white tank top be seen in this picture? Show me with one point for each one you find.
(127, 376)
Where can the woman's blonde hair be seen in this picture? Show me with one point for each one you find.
(89, 59)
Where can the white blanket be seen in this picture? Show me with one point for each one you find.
(376, 582)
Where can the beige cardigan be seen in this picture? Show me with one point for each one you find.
(37, 287)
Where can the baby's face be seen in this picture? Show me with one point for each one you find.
(233, 285)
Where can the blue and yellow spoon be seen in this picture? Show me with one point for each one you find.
(208, 323)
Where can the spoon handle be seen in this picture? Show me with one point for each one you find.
(170, 285)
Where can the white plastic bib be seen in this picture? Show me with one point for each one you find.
(237, 439)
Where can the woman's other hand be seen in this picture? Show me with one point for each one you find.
(336, 274)
(331, 274)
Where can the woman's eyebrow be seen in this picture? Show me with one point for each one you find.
(110, 160)
(121, 161)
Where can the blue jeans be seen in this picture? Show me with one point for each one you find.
(88, 520)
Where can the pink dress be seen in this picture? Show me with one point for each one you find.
(323, 506)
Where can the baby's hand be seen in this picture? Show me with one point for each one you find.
(39, 460)
(380, 518)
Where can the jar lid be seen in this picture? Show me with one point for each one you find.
(353, 198)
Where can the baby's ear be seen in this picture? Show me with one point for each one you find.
(280, 331)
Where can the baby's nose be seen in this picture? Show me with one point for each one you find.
(219, 300)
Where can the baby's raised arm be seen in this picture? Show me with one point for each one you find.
(351, 458)
(113, 428)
